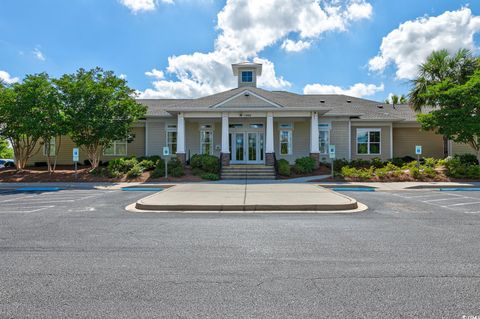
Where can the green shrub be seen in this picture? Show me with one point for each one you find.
(473, 172)
(376, 162)
(457, 169)
(175, 168)
(430, 162)
(304, 165)
(159, 170)
(388, 170)
(99, 171)
(397, 161)
(360, 163)
(357, 173)
(283, 167)
(210, 176)
(147, 164)
(120, 166)
(467, 159)
(338, 164)
(135, 171)
(206, 163)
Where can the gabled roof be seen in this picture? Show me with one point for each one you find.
(327, 104)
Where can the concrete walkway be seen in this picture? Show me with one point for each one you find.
(241, 198)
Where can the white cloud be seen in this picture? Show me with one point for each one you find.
(7, 78)
(143, 5)
(295, 46)
(357, 90)
(39, 54)
(123, 76)
(413, 41)
(246, 28)
(155, 74)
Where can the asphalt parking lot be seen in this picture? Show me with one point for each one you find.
(78, 253)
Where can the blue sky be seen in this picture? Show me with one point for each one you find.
(183, 48)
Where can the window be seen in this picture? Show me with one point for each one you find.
(172, 138)
(323, 138)
(368, 141)
(235, 125)
(247, 76)
(52, 147)
(118, 148)
(206, 141)
(256, 125)
(285, 142)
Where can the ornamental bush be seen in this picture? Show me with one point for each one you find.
(206, 163)
(467, 159)
(120, 166)
(283, 167)
(210, 176)
(357, 173)
(304, 165)
(175, 168)
(135, 171)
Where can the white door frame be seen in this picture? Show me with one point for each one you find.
(259, 157)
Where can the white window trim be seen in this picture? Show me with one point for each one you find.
(54, 147)
(170, 127)
(124, 141)
(211, 130)
(324, 129)
(290, 141)
(241, 76)
(368, 130)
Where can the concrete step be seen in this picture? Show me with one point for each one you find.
(248, 171)
(249, 178)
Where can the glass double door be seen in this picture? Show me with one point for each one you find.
(247, 147)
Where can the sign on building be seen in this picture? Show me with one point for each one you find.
(331, 151)
(418, 149)
(76, 154)
(166, 151)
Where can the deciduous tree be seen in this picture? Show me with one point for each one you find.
(100, 108)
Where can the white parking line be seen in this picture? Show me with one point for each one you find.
(463, 204)
(26, 211)
(441, 199)
(472, 212)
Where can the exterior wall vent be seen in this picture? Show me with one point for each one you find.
(380, 106)
(349, 101)
(322, 101)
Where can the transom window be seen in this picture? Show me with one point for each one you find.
(118, 148)
(256, 125)
(368, 141)
(247, 76)
(285, 142)
(52, 147)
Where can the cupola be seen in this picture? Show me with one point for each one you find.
(247, 73)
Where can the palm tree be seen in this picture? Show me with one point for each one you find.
(395, 99)
(439, 66)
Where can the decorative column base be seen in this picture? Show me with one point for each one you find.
(316, 157)
(182, 157)
(225, 159)
(270, 159)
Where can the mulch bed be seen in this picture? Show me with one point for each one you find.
(67, 174)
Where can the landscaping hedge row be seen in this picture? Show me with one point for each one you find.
(303, 165)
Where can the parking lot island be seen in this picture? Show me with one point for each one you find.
(257, 198)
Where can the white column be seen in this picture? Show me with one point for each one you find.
(225, 139)
(314, 149)
(269, 134)
(180, 134)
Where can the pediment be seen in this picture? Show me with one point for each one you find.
(246, 99)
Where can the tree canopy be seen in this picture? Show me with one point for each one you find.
(99, 108)
(458, 114)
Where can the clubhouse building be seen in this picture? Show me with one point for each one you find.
(249, 125)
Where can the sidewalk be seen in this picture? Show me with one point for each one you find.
(264, 198)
